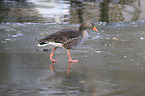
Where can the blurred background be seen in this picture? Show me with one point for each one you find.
(71, 11)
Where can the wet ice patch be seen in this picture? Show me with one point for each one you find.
(96, 37)
(141, 38)
(8, 39)
(137, 64)
(98, 51)
(3, 41)
(17, 35)
(84, 56)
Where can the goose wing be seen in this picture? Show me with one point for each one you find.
(71, 43)
(63, 36)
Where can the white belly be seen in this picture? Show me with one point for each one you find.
(53, 44)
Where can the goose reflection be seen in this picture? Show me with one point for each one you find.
(71, 81)
(53, 70)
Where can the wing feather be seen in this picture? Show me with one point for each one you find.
(60, 36)
(71, 43)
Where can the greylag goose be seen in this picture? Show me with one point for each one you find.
(67, 39)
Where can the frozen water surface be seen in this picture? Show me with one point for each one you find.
(111, 62)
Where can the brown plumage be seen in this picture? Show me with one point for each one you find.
(67, 39)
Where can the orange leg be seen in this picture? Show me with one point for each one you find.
(51, 55)
(68, 69)
(51, 67)
(70, 59)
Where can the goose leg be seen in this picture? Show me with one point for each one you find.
(51, 55)
(70, 59)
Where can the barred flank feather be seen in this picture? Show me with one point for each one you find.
(71, 44)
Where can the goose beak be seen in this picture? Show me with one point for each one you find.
(94, 28)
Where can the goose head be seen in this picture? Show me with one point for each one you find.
(87, 24)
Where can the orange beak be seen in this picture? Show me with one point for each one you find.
(94, 28)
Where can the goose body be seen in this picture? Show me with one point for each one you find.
(67, 39)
